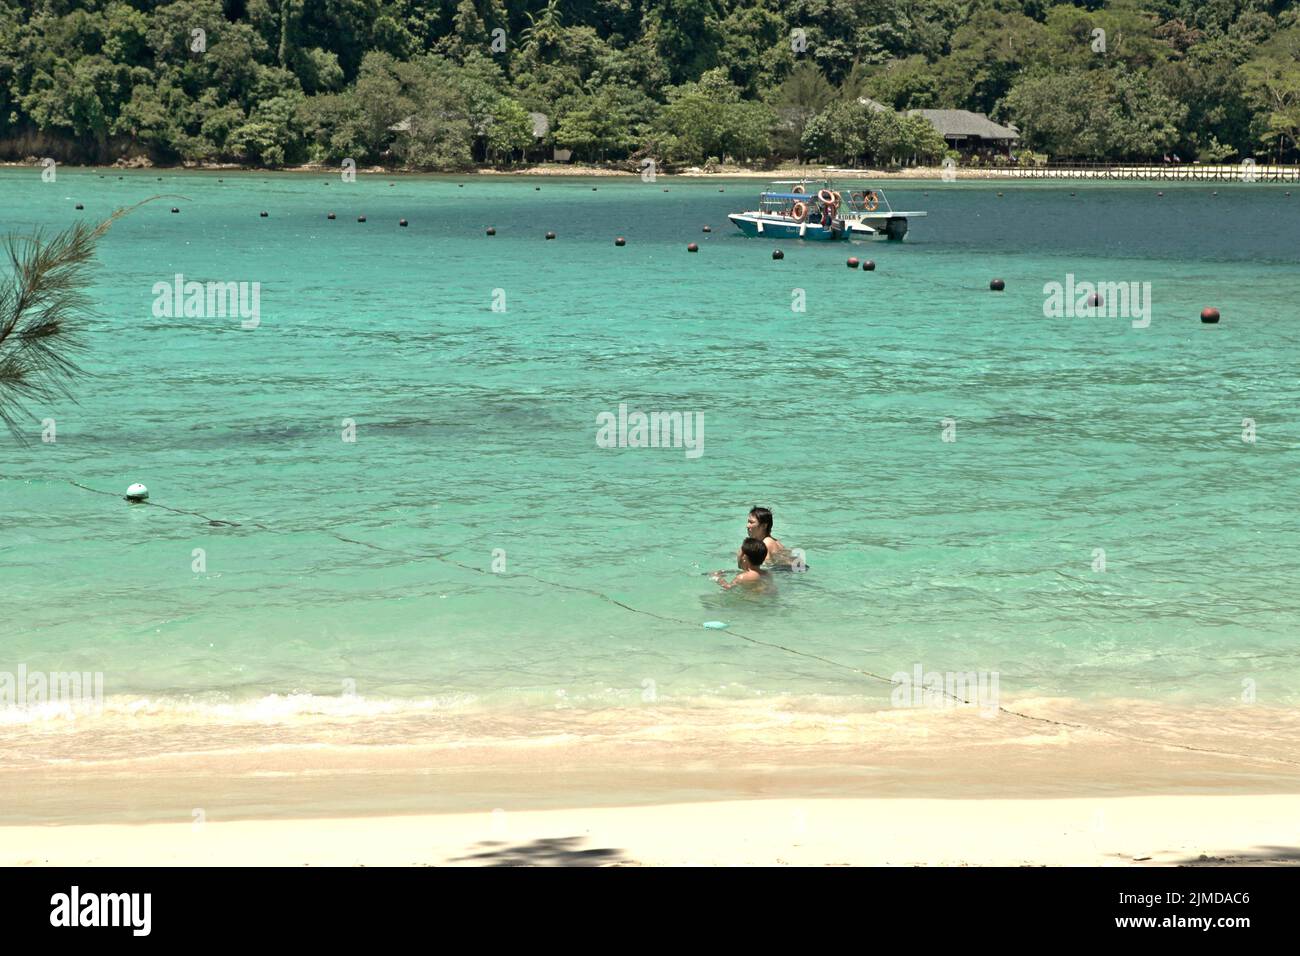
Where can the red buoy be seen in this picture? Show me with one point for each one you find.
(620, 241)
(707, 229)
(692, 248)
(491, 230)
(853, 262)
(868, 265)
(1209, 315)
(997, 285)
(401, 222)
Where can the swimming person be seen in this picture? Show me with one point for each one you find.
(750, 560)
(759, 526)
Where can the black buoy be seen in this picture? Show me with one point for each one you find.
(361, 218)
(1215, 193)
(999, 195)
(1209, 315)
(80, 206)
(620, 241)
(722, 190)
(537, 189)
(1095, 301)
(491, 230)
(550, 235)
(330, 216)
(708, 229)
(460, 185)
(853, 262)
(593, 188)
(262, 214)
(868, 265)
(174, 209)
(665, 189)
(401, 222)
(1159, 194)
(1071, 195)
(221, 180)
(778, 254)
(692, 248)
(997, 285)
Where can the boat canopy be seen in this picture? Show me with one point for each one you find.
(799, 196)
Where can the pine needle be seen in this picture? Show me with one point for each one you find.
(44, 306)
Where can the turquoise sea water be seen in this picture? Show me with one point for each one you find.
(476, 431)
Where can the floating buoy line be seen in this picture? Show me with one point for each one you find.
(445, 559)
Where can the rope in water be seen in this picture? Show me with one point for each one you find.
(445, 559)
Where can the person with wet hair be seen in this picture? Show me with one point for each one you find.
(750, 560)
(759, 526)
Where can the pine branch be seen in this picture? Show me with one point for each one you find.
(43, 308)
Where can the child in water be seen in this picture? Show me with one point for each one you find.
(750, 560)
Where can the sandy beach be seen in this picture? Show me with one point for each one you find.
(1119, 831)
(1087, 785)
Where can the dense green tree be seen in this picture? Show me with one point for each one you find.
(281, 81)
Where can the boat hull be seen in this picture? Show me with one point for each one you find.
(784, 229)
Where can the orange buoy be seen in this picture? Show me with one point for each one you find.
(1209, 315)
(853, 262)
(620, 241)
(692, 248)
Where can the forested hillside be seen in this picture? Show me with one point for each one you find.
(446, 85)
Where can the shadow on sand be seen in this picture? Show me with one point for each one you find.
(1259, 856)
(552, 851)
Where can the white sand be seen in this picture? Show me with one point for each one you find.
(1118, 831)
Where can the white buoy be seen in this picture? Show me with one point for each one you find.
(137, 492)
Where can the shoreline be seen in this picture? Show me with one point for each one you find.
(1111, 831)
(1218, 175)
(149, 769)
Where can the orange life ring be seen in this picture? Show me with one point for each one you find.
(800, 210)
(870, 203)
(826, 196)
